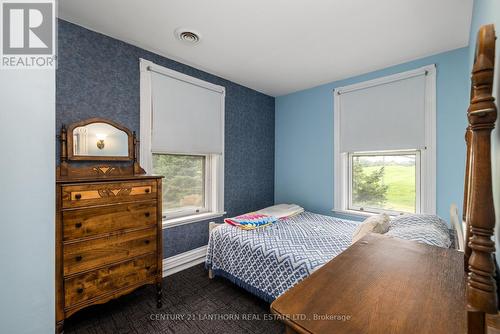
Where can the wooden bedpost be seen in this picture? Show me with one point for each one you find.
(467, 250)
(480, 213)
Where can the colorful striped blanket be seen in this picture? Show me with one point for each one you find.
(252, 220)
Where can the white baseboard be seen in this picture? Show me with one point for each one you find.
(176, 263)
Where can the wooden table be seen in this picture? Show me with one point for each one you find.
(380, 285)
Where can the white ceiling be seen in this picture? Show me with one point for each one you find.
(281, 46)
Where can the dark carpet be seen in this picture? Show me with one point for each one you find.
(192, 303)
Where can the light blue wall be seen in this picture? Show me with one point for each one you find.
(486, 12)
(304, 136)
(27, 201)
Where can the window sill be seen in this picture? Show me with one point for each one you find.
(360, 214)
(173, 222)
(353, 213)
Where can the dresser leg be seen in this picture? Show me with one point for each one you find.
(60, 327)
(158, 295)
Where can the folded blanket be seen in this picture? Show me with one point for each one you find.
(282, 210)
(250, 221)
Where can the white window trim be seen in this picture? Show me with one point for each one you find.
(215, 167)
(427, 155)
(174, 222)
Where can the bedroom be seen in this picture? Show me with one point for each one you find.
(285, 87)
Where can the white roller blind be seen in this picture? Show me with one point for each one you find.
(388, 116)
(187, 118)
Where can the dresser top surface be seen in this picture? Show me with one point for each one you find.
(383, 285)
(61, 180)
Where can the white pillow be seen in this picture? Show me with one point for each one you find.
(375, 224)
(282, 210)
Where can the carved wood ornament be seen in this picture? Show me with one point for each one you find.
(109, 166)
(479, 212)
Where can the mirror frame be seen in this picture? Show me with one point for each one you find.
(73, 157)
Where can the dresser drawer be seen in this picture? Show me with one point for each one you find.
(86, 255)
(107, 193)
(99, 282)
(81, 223)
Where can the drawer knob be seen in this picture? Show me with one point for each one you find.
(79, 290)
(78, 258)
(146, 242)
(147, 214)
(147, 190)
(148, 267)
(78, 225)
(78, 196)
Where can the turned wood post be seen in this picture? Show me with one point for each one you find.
(136, 165)
(465, 210)
(64, 152)
(480, 213)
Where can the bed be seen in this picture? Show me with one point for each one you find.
(253, 260)
(268, 261)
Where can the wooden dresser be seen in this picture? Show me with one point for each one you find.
(108, 232)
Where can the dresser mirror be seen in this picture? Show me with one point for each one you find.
(98, 139)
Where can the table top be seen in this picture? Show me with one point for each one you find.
(380, 285)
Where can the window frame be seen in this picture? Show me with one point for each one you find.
(183, 212)
(214, 163)
(427, 154)
(418, 185)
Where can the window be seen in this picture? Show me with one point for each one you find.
(384, 182)
(182, 138)
(385, 144)
(184, 184)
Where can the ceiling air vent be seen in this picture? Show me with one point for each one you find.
(187, 36)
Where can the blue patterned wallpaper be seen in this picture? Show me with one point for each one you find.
(98, 76)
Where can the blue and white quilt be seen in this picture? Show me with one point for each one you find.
(270, 260)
